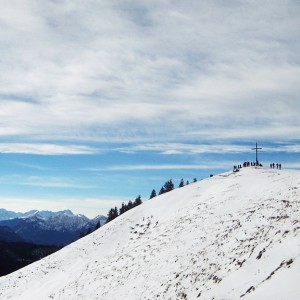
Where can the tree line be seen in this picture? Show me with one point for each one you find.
(167, 187)
(115, 211)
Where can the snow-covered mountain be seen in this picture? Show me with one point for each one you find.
(232, 236)
(7, 214)
(51, 228)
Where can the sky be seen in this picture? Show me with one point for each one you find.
(103, 101)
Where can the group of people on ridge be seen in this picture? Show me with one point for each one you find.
(277, 165)
(247, 164)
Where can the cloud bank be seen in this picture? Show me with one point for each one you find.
(149, 71)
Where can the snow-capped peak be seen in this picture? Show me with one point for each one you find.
(7, 215)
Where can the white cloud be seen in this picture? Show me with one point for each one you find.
(284, 148)
(204, 166)
(46, 149)
(46, 181)
(51, 182)
(149, 71)
(204, 149)
(179, 148)
(33, 166)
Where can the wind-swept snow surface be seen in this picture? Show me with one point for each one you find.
(232, 236)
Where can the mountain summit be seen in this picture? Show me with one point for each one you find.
(232, 236)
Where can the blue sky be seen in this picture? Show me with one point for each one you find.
(104, 101)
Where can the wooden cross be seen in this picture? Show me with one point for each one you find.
(256, 148)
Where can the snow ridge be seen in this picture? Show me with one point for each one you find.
(232, 236)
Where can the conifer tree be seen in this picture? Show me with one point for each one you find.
(181, 184)
(153, 194)
(137, 201)
(123, 208)
(112, 214)
(169, 186)
(116, 212)
(162, 191)
(130, 205)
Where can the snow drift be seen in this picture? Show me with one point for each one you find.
(232, 236)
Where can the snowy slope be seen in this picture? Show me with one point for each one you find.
(232, 236)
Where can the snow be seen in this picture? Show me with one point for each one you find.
(231, 236)
(8, 215)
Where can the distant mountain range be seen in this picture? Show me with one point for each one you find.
(7, 214)
(45, 227)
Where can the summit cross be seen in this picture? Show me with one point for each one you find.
(256, 148)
